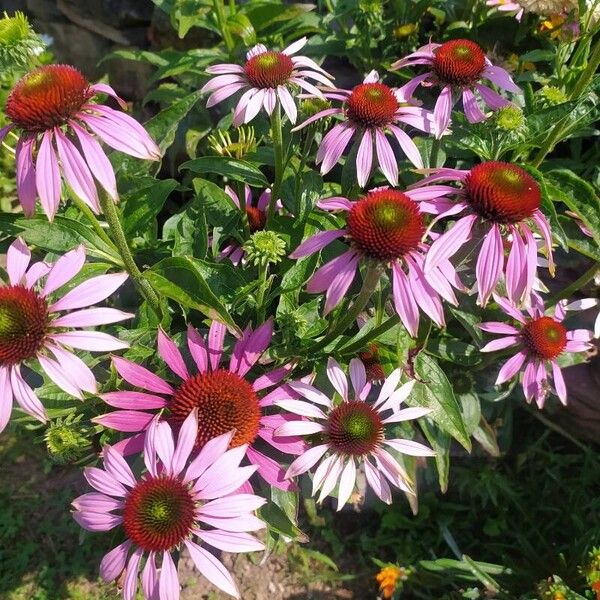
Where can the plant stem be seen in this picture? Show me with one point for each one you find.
(369, 285)
(436, 144)
(277, 137)
(112, 218)
(260, 295)
(222, 21)
(575, 286)
(91, 217)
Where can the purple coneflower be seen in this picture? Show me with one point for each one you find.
(51, 108)
(267, 77)
(371, 110)
(457, 66)
(225, 398)
(32, 328)
(386, 227)
(540, 340)
(352, 432)
(497, 200)
(176, 504)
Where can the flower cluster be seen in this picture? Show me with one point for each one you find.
(224, 411)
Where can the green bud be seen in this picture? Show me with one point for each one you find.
(66, 441)
(311, 106)
(222, 143)
(18, 41)
(510, 118)
(553, 94)
(264, 247)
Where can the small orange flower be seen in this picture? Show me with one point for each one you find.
(596, 588)
(388, 579)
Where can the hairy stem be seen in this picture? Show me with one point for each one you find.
(276, 135)
(112, 218)
(91, 217)
(222, 21)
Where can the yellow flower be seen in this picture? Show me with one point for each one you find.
(403, 31)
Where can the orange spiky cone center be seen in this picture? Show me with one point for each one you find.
(371, 105)
(458, 62)
(544, 337)
(269, 69)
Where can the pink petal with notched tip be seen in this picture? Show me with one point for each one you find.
(333, 145)
(404, 301)
(408, 146)
(140, 377)
(364, 158)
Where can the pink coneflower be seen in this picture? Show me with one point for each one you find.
(386, 227)
(225, 398)
(58, 124)
(32, 328)
(500, 200)
(540, 340)
(372, 110)
(457, 66)
(174, 505)
(352, 433)
(507, 6)
(267, 76)
(257, 218)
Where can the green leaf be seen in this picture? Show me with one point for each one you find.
(279, 522)
(580, 197)
(215, 202)
(440, 443)
(60, 235)
(240, 25)
(455, 351)
(179, 279)
(435, 392)
(232, 168)
(142, 205)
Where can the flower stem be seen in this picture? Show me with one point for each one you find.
(260, 294)
(277, 136)
(369, 285)
(112, 218)
(436, 144)
(241, 192)
(222, 21)
(91, 217)
(575, 286)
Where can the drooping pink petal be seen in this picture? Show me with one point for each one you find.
(443, 111)
(410, 447)
(164, 445)
(377, 483)
(62, 379)
(47, 175)
(116, 465)
(299, 407)
(425, 296)
(408, 146)
(472, 110)
(186, 441)
(404, 301)
(331, 478)
(358, 376)
(216, 336)
(64, 269)
(25, 396)
(17, 261)
(347, 483)
(97, 160)
(516, 269)
(113, 563)
(320, 115)
(6, 398)
(25, 175)
(364, 158)
(104, 88)
(494, 100)
(271, 378)
(150, 578)
(92, 521)
(559, 383)
(337, 377)
(333, 146)
(140, 377)
(270, 470)
(168, 582)
(210, 452)
(501, 78)
(385, 157)
(130, 584)
(76, 172)
(231, 541)
(212, 568)
(287, 103)
(489, 264)
(197, 349)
